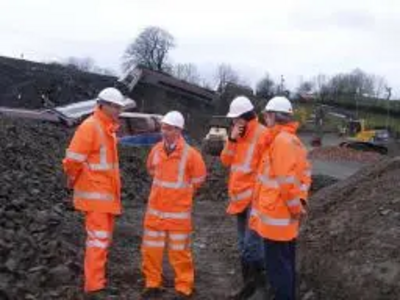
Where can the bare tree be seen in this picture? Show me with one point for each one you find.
(305, 87)
(266, 87)
(149, 49)
(86, 64)
(187, 72)
(226, 74)
(104, 71)
(320, 86)
(356, 83)
(380, 85)
(205, 84)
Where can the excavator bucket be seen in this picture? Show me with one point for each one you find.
(217, 135)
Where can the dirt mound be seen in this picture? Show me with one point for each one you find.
(335, 153)
(42, 238)
(38, 252)
(349, 247)
(321, 181)
(23, 82)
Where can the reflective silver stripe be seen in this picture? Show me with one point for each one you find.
(178, 247)
(179, 183)
(99, 234)
(96, 244)
(229, 152)
(307, 173)
(293, 202)
(155, 234)
(76, 156)
(304, 187)
(156, 158)
(266, 180)
(178, 236)
(154, 244)
(93, 195)
(169, 215)
(241, 168)
(243, 195)
(271, 221)
(103, 165)
(246, 166)
(198, 179)
(287, 180)
(170, 184)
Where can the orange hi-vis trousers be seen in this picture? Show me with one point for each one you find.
(180, 257)
(99, 228)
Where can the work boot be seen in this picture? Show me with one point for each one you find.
(107, 293)
(263, 290)
(181, 296)
(152, 293)
(249, 274)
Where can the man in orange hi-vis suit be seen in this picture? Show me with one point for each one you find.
(178, 170)
(283, 180)
(91, 164)
(242, 154)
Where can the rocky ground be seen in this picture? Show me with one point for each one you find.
(348, 245)
(336, 153)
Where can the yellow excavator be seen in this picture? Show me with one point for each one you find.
(365, 139)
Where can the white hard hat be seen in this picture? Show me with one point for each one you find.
(174, 118)
(112, 95)
(239, 106)
(279, 104)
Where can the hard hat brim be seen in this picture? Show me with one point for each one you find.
(110, 102)
(168, 123)
(232, 115)
(277, 111)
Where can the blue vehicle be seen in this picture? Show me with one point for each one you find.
(146, 139)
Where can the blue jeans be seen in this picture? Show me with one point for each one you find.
(280, 263)
(250, 243)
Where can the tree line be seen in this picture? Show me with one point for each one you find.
(152, 47)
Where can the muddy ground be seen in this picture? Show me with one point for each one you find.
(347, 249)
(42, 237)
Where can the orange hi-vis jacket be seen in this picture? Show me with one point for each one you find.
(283, 175)
(243, 157)
(91, 163)
(175, 179)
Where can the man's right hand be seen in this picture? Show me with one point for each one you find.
(237, 131)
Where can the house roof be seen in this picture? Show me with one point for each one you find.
(166, 81)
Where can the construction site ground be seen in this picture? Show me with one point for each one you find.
(348, 248)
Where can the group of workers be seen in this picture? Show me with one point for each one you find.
(268, 186)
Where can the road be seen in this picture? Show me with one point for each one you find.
(339, 170)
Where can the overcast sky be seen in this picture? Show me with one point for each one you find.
(296, 38)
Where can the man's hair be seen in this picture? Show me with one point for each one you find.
(101, 102)
(248, 116)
